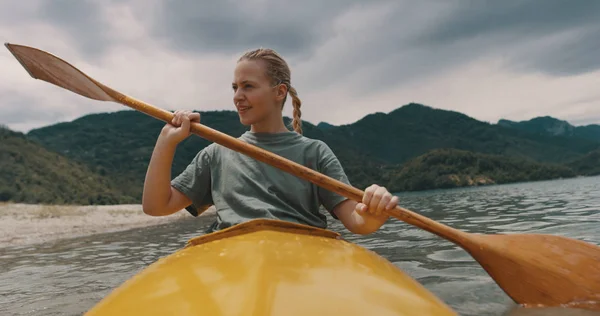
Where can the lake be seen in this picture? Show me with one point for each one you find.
(68, 277)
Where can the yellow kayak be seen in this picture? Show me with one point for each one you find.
(268, 267)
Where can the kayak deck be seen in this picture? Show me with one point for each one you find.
(267, 267)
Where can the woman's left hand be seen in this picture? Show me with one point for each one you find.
(376, 200)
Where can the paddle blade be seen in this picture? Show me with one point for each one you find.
(47, 67)
(542, 270)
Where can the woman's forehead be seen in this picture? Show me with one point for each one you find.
(249, 70)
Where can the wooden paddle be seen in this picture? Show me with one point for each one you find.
(533, 269)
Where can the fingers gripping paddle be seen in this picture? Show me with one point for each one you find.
(533, 269)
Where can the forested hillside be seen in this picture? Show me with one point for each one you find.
(415, 147)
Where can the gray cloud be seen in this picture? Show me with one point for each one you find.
(589, 120)
(573, 54)
(20, 109)
(519, 18)
(467, 30)
(20, 14)
(81, 20)
(411, 40)
(298, 28)
(361, 48)
(499, 27)
(291, 27)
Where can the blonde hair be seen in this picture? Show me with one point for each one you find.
(279, 72)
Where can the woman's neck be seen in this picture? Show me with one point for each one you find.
(270, 125)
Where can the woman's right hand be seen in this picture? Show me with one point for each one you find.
(179, 128)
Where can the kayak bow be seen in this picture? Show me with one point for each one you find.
(271, 267)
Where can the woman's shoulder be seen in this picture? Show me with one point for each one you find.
(319, 149)
(208, 152)
(319, 144)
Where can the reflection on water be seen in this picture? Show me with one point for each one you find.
(70, 276)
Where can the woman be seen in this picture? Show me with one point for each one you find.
(242, 188)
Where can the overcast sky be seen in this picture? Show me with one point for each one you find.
(487, 59)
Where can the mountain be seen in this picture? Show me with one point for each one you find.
(450, 168)
(544, 125)
(325, 125)
(549, 126)
(30, 173)
(118, 145)
(415, 129)
(588, 165)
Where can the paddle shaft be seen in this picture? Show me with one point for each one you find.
(289, 166)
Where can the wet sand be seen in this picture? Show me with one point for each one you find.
(25, 224)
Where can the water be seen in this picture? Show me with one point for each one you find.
(69, 276)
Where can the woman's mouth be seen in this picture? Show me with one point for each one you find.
(244, 109)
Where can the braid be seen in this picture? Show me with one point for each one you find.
(297, 122)
(279, 72)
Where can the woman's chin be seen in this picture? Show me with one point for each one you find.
(246, 121)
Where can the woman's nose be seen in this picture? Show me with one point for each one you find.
(238, 96)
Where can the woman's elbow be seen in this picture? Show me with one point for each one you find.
(148, 210)
(151, 209)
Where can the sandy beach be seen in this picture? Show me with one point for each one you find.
(24, 224)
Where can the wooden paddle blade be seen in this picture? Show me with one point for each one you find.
(542, 270)
(47, 67)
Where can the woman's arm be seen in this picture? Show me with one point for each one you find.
(159, 197)
(368, 216)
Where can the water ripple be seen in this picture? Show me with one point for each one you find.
(70, 276)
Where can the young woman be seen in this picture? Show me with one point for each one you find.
(242, 188)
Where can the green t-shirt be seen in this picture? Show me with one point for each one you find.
(242, 188)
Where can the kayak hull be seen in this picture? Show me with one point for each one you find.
(268, 267)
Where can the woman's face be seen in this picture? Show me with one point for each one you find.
(254, 96)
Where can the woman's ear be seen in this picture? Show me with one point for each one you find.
(281, 91)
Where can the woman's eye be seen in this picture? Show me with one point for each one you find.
(245, 87)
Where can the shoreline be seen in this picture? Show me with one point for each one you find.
(28, 224)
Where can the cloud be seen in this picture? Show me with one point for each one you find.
(470, 19)
(79, 19)
(293, 28)
(485, 89)
(567, 53)
(520, 31)
(491, 60)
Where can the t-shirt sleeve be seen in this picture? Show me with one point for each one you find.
(195, 182)
(329, 165)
